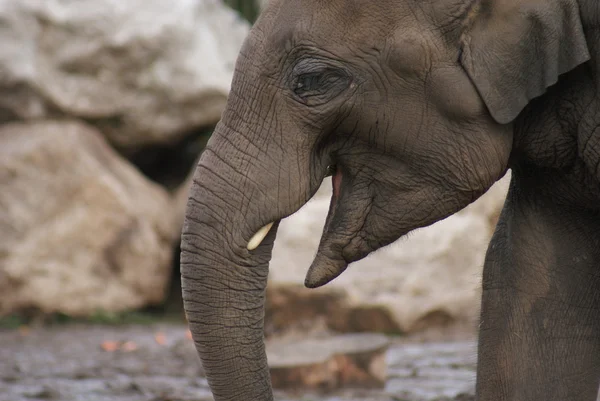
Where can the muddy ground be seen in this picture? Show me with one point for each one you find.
(159, 363)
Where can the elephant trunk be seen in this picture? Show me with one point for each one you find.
(236, 192)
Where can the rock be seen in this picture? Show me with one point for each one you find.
(430, 278)
(291, 308)
(353, 360)
(142, 71)
(80, 229)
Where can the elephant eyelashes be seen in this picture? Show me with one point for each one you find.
(320, 85)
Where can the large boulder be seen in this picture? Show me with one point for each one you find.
(80, 229)
(143, 71)
(431, 277)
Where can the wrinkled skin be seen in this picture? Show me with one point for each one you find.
(420, 106)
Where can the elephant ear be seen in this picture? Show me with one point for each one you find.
(513, 50)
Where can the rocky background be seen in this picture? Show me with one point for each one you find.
(105, 106)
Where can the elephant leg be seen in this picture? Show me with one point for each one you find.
(540, 319)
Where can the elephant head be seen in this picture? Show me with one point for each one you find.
(402, 102)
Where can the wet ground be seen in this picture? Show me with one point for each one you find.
(159, 363)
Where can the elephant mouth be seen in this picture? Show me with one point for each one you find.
(336, 174)
(343, 238)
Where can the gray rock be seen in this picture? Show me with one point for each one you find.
(143, 71)
(80, 229)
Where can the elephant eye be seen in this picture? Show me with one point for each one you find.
(307, 83)
(319, 83)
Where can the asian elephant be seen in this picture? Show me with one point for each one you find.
(415, 108)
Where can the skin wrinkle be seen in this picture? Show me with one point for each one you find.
(239, 154)
(238, 260)
(242, 173)
(247, 204)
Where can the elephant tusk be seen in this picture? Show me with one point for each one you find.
(259, 237)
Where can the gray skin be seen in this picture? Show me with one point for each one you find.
(421, 105)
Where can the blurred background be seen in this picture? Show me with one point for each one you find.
(105, 107)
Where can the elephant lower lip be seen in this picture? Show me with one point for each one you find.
(337, 182)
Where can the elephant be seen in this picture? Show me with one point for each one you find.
(414, 108)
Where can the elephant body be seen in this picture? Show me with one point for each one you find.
(415, 108)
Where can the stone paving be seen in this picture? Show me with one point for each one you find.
(159, 363)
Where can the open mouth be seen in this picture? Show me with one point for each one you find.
(344, 236)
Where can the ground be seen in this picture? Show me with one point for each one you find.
(158, 363)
